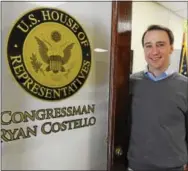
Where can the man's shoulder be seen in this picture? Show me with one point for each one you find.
(181, 78)
(137, 76)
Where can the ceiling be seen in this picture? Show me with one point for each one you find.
(180, 8)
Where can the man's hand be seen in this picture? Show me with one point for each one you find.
(186, 167)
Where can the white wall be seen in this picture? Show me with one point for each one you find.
(79, 149)
(144, 14)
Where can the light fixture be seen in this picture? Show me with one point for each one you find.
(100, 50)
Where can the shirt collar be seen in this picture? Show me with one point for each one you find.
(164, 75)
(168, 72)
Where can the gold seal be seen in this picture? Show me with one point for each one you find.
(49, 54)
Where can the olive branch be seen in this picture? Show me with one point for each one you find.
(36, 64)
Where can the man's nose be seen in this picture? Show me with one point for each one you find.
(154, 50)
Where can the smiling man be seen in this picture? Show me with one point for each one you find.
(159, 111)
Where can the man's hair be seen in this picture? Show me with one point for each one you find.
(162, 28)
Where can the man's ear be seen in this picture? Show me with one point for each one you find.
(172, 49)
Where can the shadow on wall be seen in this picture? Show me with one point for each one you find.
(98, 134)
(13, 99)
(13, 95)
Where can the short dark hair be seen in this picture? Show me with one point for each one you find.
(162, 28)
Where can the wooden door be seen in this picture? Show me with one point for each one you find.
(121, 61)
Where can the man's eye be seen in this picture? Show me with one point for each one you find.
(148, 46)
(161, 44)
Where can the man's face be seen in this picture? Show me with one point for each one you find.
(157, 49)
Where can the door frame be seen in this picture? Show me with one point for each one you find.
(120, 69)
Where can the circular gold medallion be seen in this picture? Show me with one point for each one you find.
(49, 54)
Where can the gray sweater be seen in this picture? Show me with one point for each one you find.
(159, 122)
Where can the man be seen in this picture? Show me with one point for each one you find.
(159, 112)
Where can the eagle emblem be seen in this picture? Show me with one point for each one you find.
(55, 62)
